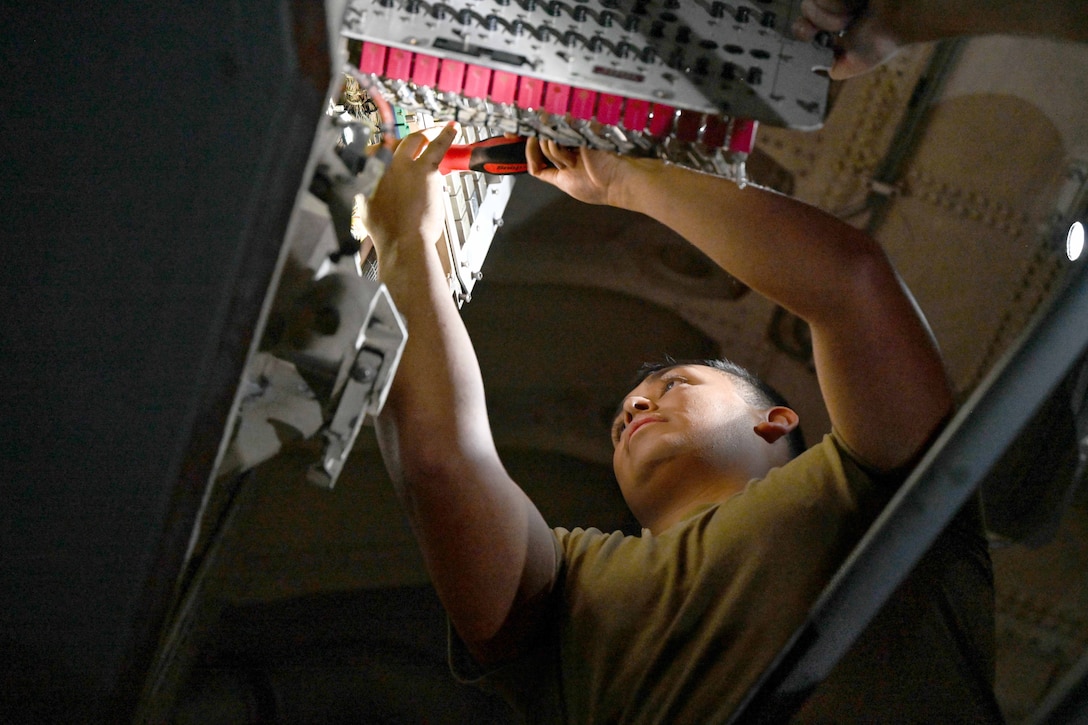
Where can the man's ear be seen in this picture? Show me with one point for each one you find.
(777, 422)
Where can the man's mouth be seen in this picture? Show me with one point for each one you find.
(637, 425)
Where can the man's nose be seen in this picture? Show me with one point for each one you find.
(635, 404)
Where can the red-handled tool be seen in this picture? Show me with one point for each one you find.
(500, 155)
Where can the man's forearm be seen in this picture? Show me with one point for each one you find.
(438, 395)
(783, 248)
(485, 545)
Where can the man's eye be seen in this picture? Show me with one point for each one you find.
(670, 382)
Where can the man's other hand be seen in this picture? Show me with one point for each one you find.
(865, 32)
(586, 174)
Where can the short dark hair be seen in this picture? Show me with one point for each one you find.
(753, 389)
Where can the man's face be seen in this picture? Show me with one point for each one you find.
(688, 415)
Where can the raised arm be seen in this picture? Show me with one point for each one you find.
(879, 370)
(487, 548)
(874, 29)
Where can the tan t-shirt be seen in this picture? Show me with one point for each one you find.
(676, 628)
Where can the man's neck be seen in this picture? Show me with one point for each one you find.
(686, 500)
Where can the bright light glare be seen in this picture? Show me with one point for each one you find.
(349, 136)
(1074, 242)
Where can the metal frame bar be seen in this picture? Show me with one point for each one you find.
(908, 134)
(943, 481)
(1067, 702)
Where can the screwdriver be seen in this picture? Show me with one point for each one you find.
(500, 155)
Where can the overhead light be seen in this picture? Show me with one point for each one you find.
(1074, 241)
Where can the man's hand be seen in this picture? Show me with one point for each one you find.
(869, 33)
(407, 205)
(587, 175)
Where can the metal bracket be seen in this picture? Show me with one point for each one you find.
(367, 372)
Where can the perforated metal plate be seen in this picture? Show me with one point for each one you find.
(735, 59)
